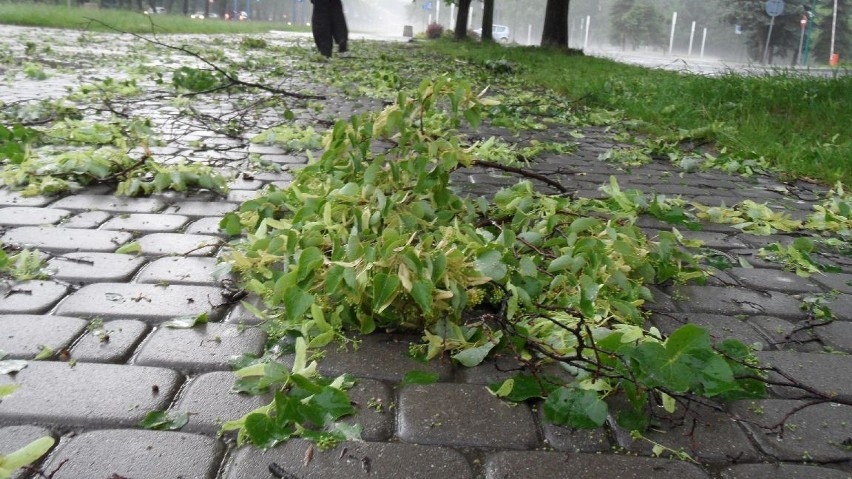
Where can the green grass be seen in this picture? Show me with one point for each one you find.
(801, 124)
(53, 16)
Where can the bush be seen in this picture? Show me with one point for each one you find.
(434, 30)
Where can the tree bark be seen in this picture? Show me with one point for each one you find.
(555, 32)
(488, 21)
(461, 19)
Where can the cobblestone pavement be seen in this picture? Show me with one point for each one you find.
(451, 429)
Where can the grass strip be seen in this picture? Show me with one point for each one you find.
(800, 123)
(56, 16)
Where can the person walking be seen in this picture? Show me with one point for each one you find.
(329, 26)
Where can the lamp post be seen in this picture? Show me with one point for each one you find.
(804, 22)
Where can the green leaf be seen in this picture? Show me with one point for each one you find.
(309, 259)
(44, 353)
(186, 322)
(490, 264)
(130, 248)
(297, 302)
(525, 386)
(164, 420)
(25, 455)
(263, 431)
(473, 356)
(419, 377)
(334, 403)
(7, 389)
(421, 291)
(384, 289)
(576, 408)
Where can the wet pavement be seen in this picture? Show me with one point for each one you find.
(91, 395)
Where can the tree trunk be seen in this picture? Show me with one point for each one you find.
(488, 21)
(461, 19)
(555, 33)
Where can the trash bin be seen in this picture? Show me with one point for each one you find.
(835, 59)
(408, 31)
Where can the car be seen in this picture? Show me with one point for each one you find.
(500, 33)
(197, 15)
(157, 10)
(243, 16)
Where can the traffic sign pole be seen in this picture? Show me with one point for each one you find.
(773, 9)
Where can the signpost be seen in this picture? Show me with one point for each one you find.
(804, 23)
(773, 9)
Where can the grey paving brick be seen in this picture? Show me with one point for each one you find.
(817, 433)
(200, 209)
(240, 196)
(720, 327)
(569, 439)
(836, 334)
(180, 270)
(209, 400)
(782, 334)
(707, 435)
(86, 395)
(244, 184)
(662, 302)
(30, 297)
(239, 314)
(207, 347)
(137, 454)
(31, 216)
(380, 356)
(109, 203)
(841, 306)
(14, 198)
(467, 415)
(24, 336)
(114, 342)
(841, 282)
(760, 279)
(95, 267)
(713, 240)
(147, 302)
(530, 464)
(828, 373)
(206, 226)
(492, 370)
(781, 471)
(374, 409)
(146, 223)
(178, 244)
(65, 240)
(732, 301)
(13, 438)
(752, 257)
(86, 219)
(351, 459)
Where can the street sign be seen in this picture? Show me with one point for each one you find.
(427, 6)
(774, 7)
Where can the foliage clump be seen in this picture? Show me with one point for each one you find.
(370, 240)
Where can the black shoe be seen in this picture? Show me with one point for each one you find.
(342, 48)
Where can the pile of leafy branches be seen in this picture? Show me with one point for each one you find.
(364, 241)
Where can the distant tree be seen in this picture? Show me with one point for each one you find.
(751, 16)
(487, 21)
(555, 31)
(618, 14)
(461, 19)
(643, 26)
(842, 36)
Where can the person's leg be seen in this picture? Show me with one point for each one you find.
(338, 26)
(321, 22)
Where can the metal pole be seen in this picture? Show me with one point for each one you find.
(801, 41)
(768, 38)
(438, 12)
(529, 34)
(833, 31)
(671, 37)
(453, 15)
(703, 41)
(691, 37)
(586, 40)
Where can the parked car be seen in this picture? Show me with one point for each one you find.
(500, 33)
(157, 10)
(197, 15)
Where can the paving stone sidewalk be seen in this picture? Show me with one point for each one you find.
(104, 379)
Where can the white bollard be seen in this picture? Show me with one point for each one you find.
(586, 40)
(691, 37)
(703, 41)
(671, 37)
